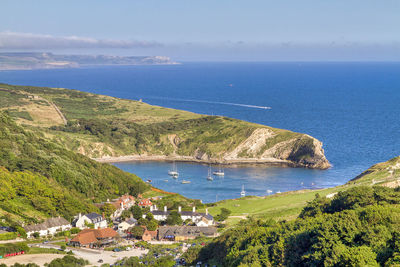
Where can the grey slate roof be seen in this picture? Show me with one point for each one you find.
(185, 213)
(185, 231)
(49, 223)
(93, 215)
(131, 221)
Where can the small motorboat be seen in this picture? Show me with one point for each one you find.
(186, 182)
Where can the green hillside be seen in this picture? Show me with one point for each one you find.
(101, 126)
(43, 175)
(358, 227)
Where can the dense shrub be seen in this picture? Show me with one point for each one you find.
(358, 227)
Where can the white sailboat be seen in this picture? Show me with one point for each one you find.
(220, 172)
(174, 172)
(243, 193)
(209, 177)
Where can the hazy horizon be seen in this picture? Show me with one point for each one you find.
(311, 30)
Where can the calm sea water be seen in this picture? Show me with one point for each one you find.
(353, 108)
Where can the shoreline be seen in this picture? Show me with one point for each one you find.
(189, 159)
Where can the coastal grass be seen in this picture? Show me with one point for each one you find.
(284, 206)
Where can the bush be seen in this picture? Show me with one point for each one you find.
(67, 261)
(8, 236)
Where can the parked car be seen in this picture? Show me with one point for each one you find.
(100, 261)
(116, 250)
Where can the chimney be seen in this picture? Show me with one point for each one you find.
(103, 215)
(79, 215)
(108, 200)
(165, 208)
(151, 208)
(194, 209)
(206, 211)
(179, 209)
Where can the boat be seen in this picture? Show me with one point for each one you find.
(220, 172)
(174, 172)
(186, 182)
(243, 193)
(149, 181)
(209, 177)
(278, 192)
(269, 191)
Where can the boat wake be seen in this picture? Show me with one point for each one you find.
(210, 102)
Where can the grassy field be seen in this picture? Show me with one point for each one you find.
(284, 206)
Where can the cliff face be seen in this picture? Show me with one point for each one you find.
(262, 146)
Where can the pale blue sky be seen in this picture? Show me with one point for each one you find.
(207, 29)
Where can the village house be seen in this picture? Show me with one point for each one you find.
(48, 227)
(94, 238)
(81, 221)
(200, 219)
(149, 235)
(123, 203)
(180, 233)
(125, 225)
(145, 202)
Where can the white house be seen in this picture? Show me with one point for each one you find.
(81, 221)
(200, 219)
(48, 227)
(125, 225)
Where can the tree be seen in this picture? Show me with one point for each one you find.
(136, 231)
(125, 214)
(36, 234)
(142, 221)
(137, 212)
(224, 214)
(108, 209)
(149, 216)
(152, 225)
(63, 247)
(174, 218)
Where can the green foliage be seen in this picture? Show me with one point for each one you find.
(136, 231)
(53, 179)
(152, 225)
(108, 209)
(358, 227)
(24, 265)
(13, 248)
(136, 212)
(125, 214)
(174, 218)
(67, 261)
(8, 236)
(224, 214)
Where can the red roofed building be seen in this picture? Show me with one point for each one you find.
(149, 235)
(123, 203)
(145, 203)
(94, 238)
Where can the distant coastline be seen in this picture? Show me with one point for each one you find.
(35, 61)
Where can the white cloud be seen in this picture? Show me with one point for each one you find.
(16, 40)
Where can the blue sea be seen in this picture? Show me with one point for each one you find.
(353, 108)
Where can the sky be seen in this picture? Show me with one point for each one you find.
(207, 30)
